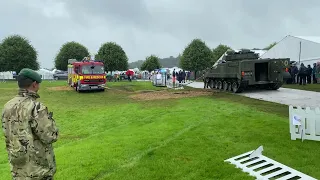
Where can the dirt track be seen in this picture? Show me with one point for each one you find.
(60, 88)
(157, 95)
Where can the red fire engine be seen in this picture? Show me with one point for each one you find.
(86, 74)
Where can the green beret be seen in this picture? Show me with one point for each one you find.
(29, 73)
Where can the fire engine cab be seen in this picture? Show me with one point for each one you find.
(86, 74)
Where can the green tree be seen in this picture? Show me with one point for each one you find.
(17, 53)
(218, 52)
(113, 56)
(151, 63)
(70, 50)
(196, 56)
(270, 46)
(96, 57)
(183, 63)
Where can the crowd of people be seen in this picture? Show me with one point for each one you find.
(181, 76)
(303, 75)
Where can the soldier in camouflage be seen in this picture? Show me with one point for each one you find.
(29, 131)
(205, 81)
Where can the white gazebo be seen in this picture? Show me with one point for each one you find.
(6, 75)
(46, 74)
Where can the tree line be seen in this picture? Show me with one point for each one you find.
(16, 52)
(170, 61)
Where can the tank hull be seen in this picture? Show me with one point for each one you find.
(237, 75)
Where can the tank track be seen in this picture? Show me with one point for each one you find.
(234, 85)
(230, 85)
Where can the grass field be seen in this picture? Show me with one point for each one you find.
(308, 87)
(128, 133)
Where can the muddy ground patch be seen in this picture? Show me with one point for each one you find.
(60, 88)
(158, 95)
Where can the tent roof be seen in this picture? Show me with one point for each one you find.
(315, 39)
(289, 47)
(44, 71)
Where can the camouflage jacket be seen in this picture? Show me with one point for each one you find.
(29, 132)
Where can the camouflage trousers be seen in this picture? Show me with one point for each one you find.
(32, 173)
(23, 176)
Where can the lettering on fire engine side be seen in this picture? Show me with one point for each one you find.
(93, 77)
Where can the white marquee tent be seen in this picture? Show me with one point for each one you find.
(6, 75)
(305, 48)
(55, 71)
(136, 70)
(144, 74)
(46, 74)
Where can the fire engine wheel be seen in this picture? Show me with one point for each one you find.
(78, 87)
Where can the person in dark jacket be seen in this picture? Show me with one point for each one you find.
(314, 73)
(309, 74)
(294, 72)
(302, 74)
(174, 75)
(289, 80)
(205, 82)
(183, 76)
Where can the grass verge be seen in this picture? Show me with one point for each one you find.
(308, 87)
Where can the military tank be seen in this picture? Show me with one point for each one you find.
(237, 71)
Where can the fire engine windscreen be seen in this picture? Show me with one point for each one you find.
(90, 69)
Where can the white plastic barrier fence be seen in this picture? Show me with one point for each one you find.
(304, 123)
(263, 168)
(8, 75)
(159, 80)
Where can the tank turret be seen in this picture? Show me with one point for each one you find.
(243, 54)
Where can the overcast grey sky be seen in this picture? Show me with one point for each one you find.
(161, 27)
